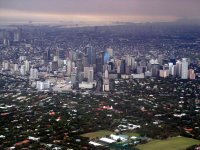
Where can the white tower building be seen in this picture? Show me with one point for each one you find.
(184, 72)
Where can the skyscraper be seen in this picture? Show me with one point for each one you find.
(27, 66)
(91, 53)
(106, 81)
(89, 73)
(69, 67)
(184, 72)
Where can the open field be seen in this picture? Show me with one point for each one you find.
(100, 133)
(131, 133)
(103, 133)
(175, 143)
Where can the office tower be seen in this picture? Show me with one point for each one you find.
(106, 81)
(80, 77)
(128, 60)
(164, 73)
(133, 65)
(22, 70)
(69, 67)
(110, 52)
(111, 66)
(171, 68)
(5, 65)
(47, 84)
(155, 70)
(139, 69)
(47, 55)
(184, 72)
(123, 67)
(85, 61)
(33, 73)
(62, 54)
(192, 75)
(154, 67)
(73, 78)
(172, 58)
(106, 57)
(100, 61)
(79, 65)
(22, 58)
(17, 35)
(16, 68)
(54, 66)
(27, 65)
(40, 85)
(6, 42)
(91, 53)
(89, 73)
(178, 68)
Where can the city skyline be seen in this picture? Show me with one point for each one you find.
(98, 10)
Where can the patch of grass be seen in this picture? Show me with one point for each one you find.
(175, 143)
(131, 133)
(100, 133)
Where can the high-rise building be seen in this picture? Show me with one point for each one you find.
(164, 73)
(69, 67)
(110, 52)
(89, 73)
(27, 65)
(178, 68)
(91, 53)
(5, 65)
(106, 57)
(17, 35)
(33, 73)
(106, 81)
(16, 68)
(100, 62)
(155, 70)
(79, 65)
(123, 67)
(192, 75)
(171, 68)
(184, 72)
(22, 70)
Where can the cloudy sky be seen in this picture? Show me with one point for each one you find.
(98, 10)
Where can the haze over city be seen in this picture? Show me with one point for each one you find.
(100, 74)
(98, 10)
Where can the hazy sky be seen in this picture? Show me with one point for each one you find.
(98, 10)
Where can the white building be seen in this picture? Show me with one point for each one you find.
(16, 67)
(40, 86)
(27, 65)
(89, 73)
(106, 86)
(22, 70)
(87, 85)
(138, 76)
(33, 73)
(184, 72)
(69, 67)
